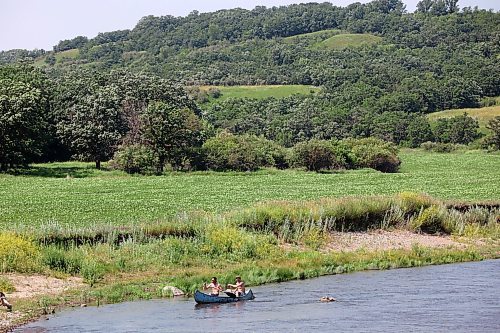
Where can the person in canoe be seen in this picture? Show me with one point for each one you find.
(214, 286)
(239, 287)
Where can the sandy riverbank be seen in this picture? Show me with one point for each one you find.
(33, 287)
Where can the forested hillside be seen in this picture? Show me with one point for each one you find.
(238, 46)
(379, 67)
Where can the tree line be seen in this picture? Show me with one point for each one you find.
(145, 122)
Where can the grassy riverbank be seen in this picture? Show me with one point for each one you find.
(269, 242)
(148, 285)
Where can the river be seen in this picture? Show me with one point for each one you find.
(459, 298)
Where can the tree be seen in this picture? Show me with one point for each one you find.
(424, 6)
(418, 131)
(170, 131)
(459, 129)
(23, 108)
(493, 140)
(94, 126)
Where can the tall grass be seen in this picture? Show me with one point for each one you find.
(287, 221)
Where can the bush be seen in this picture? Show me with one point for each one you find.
(214, 92)
(242, 153)
(18, 254)
(430, 220)
(412, 203)
(134, 159)
(316, 155)
(374, 153)
(459, 129)
(439, 147)
(230, 242)
(62, 260)
(492, 141)
(6, 285)
(92, 272)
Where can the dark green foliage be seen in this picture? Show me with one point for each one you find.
(493, 140)
(374, 153)
(60, 259)
(458, 130)
(437, 7)
(418, 131)
(94, 126)
(242, 152)
(95, 112)
(316, 155)
(437, 58)
(170, 132)
(24, 107)
(69, 44)
(135, 158)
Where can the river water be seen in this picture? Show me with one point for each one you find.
(459, 298)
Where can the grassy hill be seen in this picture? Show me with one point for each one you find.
(342, 41)
(263, 91)
(483, 115)
(60, 57)
(333, 39)
(312, 37)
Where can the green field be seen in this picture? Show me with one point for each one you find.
(71, 54)
(313, 36)
(342, 41)
(60, 56)
(44, 195)
(333, 39)
(483, 115)
(264, 91)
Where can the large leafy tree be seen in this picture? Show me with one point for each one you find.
(461, 129)
(170, 131)
(94, 126)
(493, 140)
(23, 108)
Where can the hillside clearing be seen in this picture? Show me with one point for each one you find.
(483, 115)
(342, 41)
(262, 91)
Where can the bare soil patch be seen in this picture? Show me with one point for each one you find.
(28, 286)
(385, 240)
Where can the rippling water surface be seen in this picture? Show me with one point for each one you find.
(458, 298)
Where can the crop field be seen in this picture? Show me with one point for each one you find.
(75, 194)
(263, 91)
(483, 115)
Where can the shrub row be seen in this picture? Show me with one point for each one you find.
(249, 152)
